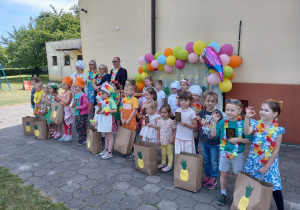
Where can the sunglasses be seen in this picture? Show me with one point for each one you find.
(91, 64)
(233, 101)
(114, 61)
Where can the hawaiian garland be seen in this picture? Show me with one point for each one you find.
(105, 103)
(99, 78)
(80, 76)
(127, 98)
(38, 96)
(114, 73)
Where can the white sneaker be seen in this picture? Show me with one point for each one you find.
(106, 156)
(103, 152)
(68, 138)
(62, 138)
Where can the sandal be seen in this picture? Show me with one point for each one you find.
(161, 165)
(166, 169)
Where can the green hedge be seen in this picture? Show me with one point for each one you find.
(15, 71)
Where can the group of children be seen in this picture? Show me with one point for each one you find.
(180, 123)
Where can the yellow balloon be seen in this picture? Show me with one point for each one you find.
(212, 71)
(225, 86)
(144, 75)
(198, 47)
(161, 67)
(171, 60)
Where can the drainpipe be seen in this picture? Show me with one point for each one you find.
(153, 26)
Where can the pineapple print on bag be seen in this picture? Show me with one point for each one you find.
(244, 201)
(184, 174)
(140, 160)
(55, 112)
(89, 141)
(28, 127)
(36, 131)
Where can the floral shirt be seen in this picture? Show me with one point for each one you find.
(166, 130)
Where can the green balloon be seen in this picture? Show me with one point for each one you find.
(156, 55)
(145, 69)
(137, 77)
(183, 54)
(176, 50)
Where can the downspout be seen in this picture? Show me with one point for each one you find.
(153, 27)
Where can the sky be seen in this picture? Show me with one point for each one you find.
(18, 12)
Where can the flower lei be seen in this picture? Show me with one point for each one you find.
(197, 106)
(99, 78)
(38, 96)
(263, 149)
(105, 103)
(125, 99)
(117, 97)
(227, 154)
(76, 75)
(90, 79)
(92, 120)
(114, 73)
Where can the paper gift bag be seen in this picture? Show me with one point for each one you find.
(41, 129)
(188, 171)
(251, 193)
(124, 140)
(145, 154)
(93, 141)
(27, 124)
(57, 113)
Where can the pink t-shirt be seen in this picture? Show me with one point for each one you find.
(183, 132)
(166, 130)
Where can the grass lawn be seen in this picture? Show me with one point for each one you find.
(15, 195)
(16, 95)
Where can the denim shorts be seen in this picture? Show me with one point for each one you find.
(237, 163)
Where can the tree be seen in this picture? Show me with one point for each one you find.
(3, 56)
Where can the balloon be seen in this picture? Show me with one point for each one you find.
(193, 57)
(183, 54)
(180, 64)
(161, 59)
(156, 55)
(176, 50)
(168, 52)
(140, 86)
(212, 61)
(228, 71)
(144, 75)
(201, 59)
(226, 49)
(169, 69)
(149, 57)
(198, 47)
(161, 67)
(149, 67)
(235, 61)
(171, 60)
(225, 86)
(189, 47)
(154, 64)
(137, 77)
(141, 60)
(225, 59)
(212, 71)
(213, 79)
(215, 45)
(141, 69)
(144, 68)
(230, 78)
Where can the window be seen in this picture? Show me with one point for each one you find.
(79, 57)
(54, 60)
(67, 61)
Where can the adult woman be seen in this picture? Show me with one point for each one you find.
(79, 73)
(100, 78)
(90, 91)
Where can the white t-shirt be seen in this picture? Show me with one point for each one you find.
(160, 96)
(183, 132)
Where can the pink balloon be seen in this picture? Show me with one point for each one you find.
(141, 60)
(149, 57)
(201, 59)
(168, 69)
(155, 64)
(180, 64)
(193, 58)
(213, 79)
(225, 59)
(189, 47)
(226, 49)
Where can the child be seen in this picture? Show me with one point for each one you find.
(148, 83)
(196, 92)
(38, 101)
(210, 146)
(184, 84)
(81, 105)
(150, 95)
(65, 99)
(116, 97)
(33, 81)
(184, 141)
(96, 116)
(161, 96)
(172, 100)
(52, 96)
(267, 139)
(149, 131)
(232, 138)
(128, 82)
(104, 120)
(165, 138)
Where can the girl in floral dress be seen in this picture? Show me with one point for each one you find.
(262, 162)
(90, 91)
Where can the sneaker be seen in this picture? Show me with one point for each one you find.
(68, 138)
(106, 156)
(221, 199)
(103, 152)
(205, 180)
(130, 155)
(54, 134)
(62, 138)
(166, 169)
(57, 135)
(79, 143)
(162, 165)
(210, 185)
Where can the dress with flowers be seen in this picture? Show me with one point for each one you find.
(253, 163)
(166, 130)
(90, 92)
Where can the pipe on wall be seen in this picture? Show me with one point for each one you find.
(153, 26)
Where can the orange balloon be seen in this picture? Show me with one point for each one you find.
(149, 67)
(168, 52)
(235, 61)
(140, 86)
(230, 78)
(141, 69)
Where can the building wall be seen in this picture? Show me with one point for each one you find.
(56, 73)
